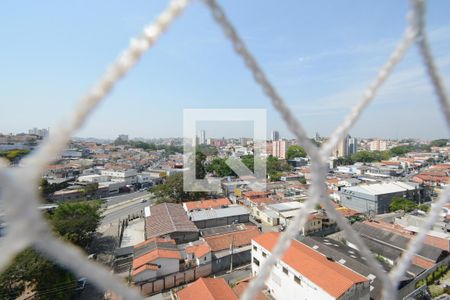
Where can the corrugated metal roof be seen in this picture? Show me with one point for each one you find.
(235, 210)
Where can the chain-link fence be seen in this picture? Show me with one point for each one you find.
(19, 192)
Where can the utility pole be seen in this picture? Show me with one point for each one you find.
(231, 251)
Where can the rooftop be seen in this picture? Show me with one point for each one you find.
(329, 275)
(381, 188)
(205, 204)
(166, 218)
(236, 238)
(215, 213)
(207, 289)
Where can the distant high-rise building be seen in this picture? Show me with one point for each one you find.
(352, 145)
(39, 132)
(317, 137)
(279, 149)
(203, 137)
(346, 146)
(123, 137)
(275, 135)
(378, 145)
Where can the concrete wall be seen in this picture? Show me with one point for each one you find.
(224, 263)
(184, 237)
(174, 279)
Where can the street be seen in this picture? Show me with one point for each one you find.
(125, 197)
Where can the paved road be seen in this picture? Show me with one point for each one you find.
(123, 212)
(124, 197)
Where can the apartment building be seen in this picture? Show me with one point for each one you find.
(378, 145)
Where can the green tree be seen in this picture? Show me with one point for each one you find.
(74, 221)
(295, 151)
(219, 167)
(400, 203)
(439, 143)
(424, 207)
(14, 155)
(31, 269)
(200, 171)
(90, 189)
(344, 161)
(208, 150)
(172, 190)
(370, 156)
(46, 189)
(400, 150)
(77, 221)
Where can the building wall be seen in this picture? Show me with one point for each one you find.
(221, 221)
(184, 237)
(224, 262)
(359, 202)
(282, 284)
(168, 266)
(145, 275)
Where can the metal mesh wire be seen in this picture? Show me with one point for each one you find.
(18, 186)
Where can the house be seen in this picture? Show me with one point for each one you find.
(232, 214)
(207, 289)
(200, 253)
(242, 285)
(155, 258)
(169, 220)
(304, 273)
(230, 245)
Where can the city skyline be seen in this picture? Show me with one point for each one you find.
(313, 68)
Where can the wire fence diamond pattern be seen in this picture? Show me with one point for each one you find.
(18, 186)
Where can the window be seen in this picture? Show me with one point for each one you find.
(297, 279)
(264, 254)
(255, 261)
(285, 271)
(254, 248)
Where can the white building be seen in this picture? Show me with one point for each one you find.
(378, 145)
(203, 137)
(94, 178)
(129, 176)
(304, 273)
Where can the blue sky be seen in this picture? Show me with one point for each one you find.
(320, 55)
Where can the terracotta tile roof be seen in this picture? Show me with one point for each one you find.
(155, 240)
(333, 181)
(166, 218)
(154, 255)
(205, 204)
(144, 268)
(238, 238)
(241, 286)
(207, 289)
(331, 276)
(259, 201)
(347, 212)
(198, 250)
(254, 194)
